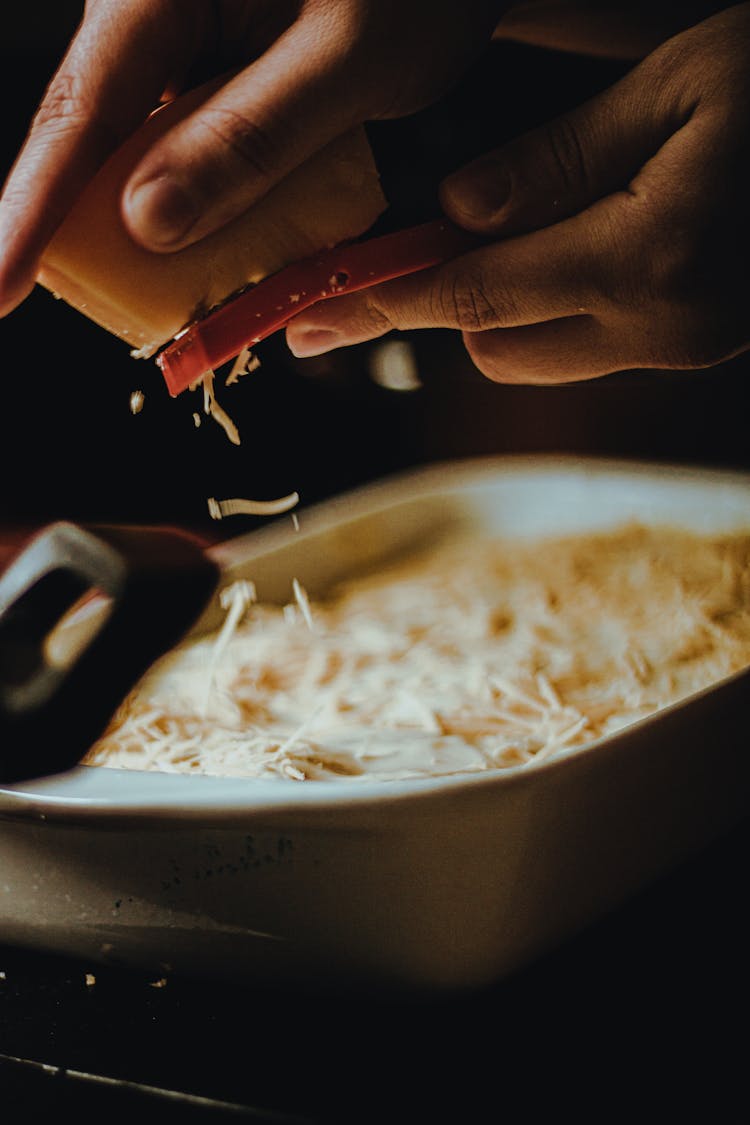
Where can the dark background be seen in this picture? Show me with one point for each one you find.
(70, 447)
(643, 1016)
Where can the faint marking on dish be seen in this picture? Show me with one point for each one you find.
(217, 865)
(182, 922)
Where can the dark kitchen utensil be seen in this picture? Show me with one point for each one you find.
(84, 612)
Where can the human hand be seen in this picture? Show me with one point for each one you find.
(611, 29)
(288, 76)
(619, 232)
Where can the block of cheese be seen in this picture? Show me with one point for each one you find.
(147, 298)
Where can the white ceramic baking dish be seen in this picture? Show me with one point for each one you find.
(438, 884)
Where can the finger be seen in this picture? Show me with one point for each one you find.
(570, 350)
(260, 125)
(558, 169)
(604, 258)
(536, 277)
(110, 78)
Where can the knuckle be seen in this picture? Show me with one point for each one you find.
(567, 154)
(464, 301)
(63, 106)
(243, 136)
(67, 109)
(375, 317)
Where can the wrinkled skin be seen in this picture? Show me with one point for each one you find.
(618, 234)
(295, 73)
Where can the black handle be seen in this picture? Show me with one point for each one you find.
(148, 585)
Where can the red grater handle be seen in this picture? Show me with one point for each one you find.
(265, 308)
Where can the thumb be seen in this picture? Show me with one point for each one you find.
(563, 166)
(257, 126)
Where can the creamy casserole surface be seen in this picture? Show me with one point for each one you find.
(475, 656)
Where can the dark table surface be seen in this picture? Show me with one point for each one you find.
(640, 1017)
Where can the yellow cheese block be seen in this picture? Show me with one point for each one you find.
(147, 298)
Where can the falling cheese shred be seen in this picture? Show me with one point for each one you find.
(217, 412)
(243, 365)
(474, 657)
(218, 509)
(136, 402)
(303, 601)
(235, 599)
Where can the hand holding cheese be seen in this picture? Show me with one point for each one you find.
(294, 76)
(622, 228)
(147, 298)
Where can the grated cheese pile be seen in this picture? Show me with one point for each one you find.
(478, 656)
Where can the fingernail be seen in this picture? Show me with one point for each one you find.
(161, 210)
(478, 193)
(314, 341)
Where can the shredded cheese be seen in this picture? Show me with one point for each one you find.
(217, 412)
(303, 601)
(137, 399)
(475, 657)
(243, 365)
(218, 509)
(235, 599)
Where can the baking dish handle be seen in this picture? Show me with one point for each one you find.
(84, 612)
